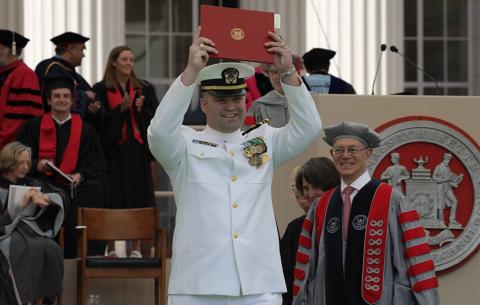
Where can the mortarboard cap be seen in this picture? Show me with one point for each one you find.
(7, 37)
(357, 131)
(317, 56)
(57, 82)
(225, 79)
(68, 38)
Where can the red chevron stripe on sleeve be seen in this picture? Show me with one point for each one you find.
(307, 225)
(417, 250)
(425, 284)
(302, 258)
(305, 242)
(296, 289)
(299, 274)
(420, 268)
(413, 233)
(408, 216)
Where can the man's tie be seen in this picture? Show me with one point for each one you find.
(347, 205)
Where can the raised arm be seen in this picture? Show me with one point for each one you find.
(164, 133)
(304, 124)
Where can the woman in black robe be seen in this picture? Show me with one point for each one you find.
(312, 179)
(31, 262)
(129, 104)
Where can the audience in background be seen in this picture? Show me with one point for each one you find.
(318, 80)
(258, 85)
(272, 106)
(69, 53)
(19, 88)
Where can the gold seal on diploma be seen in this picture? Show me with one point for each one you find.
(237, 33)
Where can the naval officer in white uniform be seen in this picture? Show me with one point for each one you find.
(225, 246)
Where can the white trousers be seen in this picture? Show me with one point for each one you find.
(254, 299)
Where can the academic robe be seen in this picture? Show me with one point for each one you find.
(337, 85)
(56, 66)
(406, 275)
(288, 252)
(19, 99)
(27, 249)
(94, 188)
(128, 159)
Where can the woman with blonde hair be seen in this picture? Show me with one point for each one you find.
(31, 262)
(129, 104)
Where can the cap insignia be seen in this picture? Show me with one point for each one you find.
(230, 76)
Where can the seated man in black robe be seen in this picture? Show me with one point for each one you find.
(62, 138)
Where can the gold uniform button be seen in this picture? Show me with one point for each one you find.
(235, 235)
(231, 153)
(235, 205)
(234, 178)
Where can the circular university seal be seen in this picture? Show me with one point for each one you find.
(359, 222)
(237, 33)
(437, 166)
(333, 225)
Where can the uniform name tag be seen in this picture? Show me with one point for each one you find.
(204, 143)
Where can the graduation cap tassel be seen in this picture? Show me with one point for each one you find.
(14, 45)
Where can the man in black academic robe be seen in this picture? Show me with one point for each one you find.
(69, 53)
(317, 64)
(74, 147)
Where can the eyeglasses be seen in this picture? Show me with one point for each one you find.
(352, 150)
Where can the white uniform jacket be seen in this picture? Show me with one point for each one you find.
(226, 240)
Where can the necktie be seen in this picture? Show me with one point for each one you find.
(347, 205)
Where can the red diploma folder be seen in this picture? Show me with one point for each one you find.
(237, 33)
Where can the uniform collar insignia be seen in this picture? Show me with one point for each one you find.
(255, 126)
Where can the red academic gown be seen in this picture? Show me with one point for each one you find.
(19, 99)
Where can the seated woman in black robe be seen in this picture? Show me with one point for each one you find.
(31, 262)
